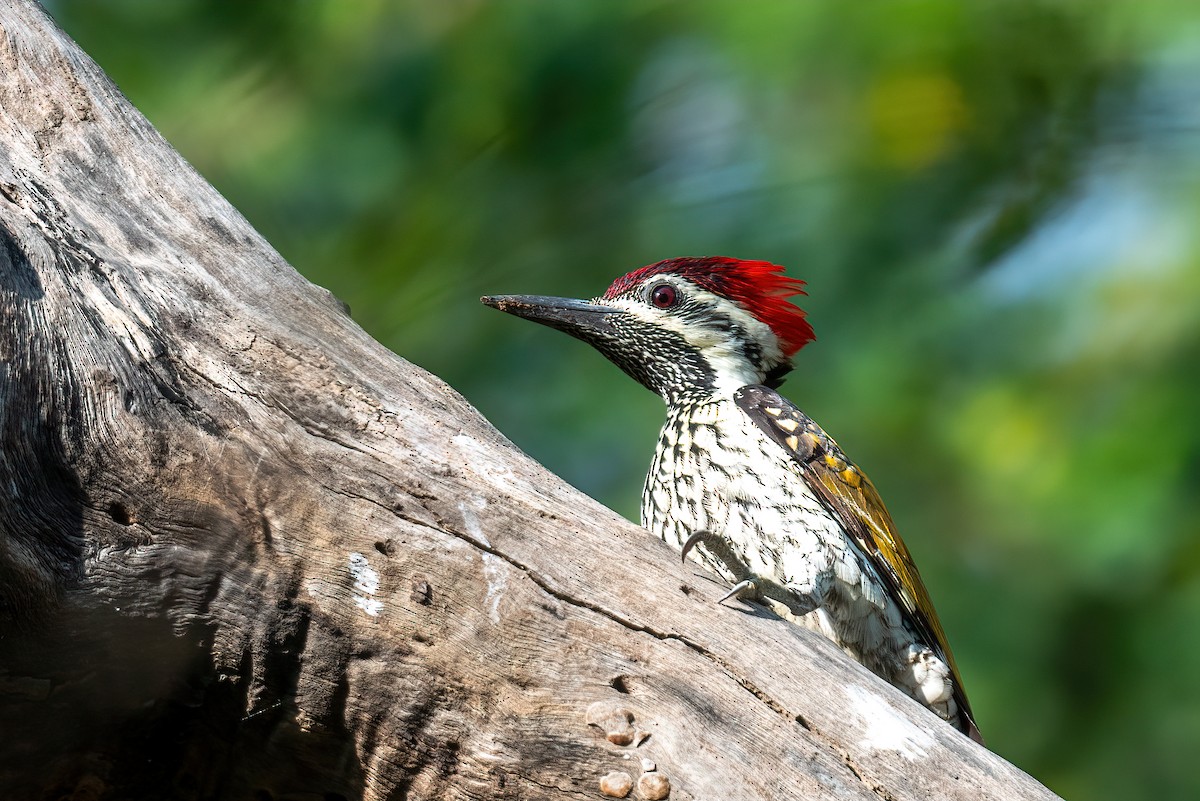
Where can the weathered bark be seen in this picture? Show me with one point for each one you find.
(246, 552)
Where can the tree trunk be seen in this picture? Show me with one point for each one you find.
(248, 553)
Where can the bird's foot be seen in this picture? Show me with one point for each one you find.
(763, 589)
(749, 585)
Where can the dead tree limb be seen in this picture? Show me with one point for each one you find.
(246, 552)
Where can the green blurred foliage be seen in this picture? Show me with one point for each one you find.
(994, 205)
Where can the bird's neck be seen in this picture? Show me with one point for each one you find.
(724, 375)
(723, 370)
(682, 404)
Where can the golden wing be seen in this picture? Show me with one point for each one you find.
(851, 497)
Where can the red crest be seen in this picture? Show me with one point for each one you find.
(759, 287)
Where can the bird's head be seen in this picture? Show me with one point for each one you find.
(687, 328)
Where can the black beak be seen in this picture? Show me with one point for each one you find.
(579, 318)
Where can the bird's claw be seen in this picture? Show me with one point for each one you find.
(720, 548)
(744, 584)
(703, 535)
(797, 601)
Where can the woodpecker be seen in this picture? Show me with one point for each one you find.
(746, 482)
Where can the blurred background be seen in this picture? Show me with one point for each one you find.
(994, 204)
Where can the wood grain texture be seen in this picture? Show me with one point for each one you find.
(248, 553)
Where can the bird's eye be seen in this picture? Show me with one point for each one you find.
(664, 296)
